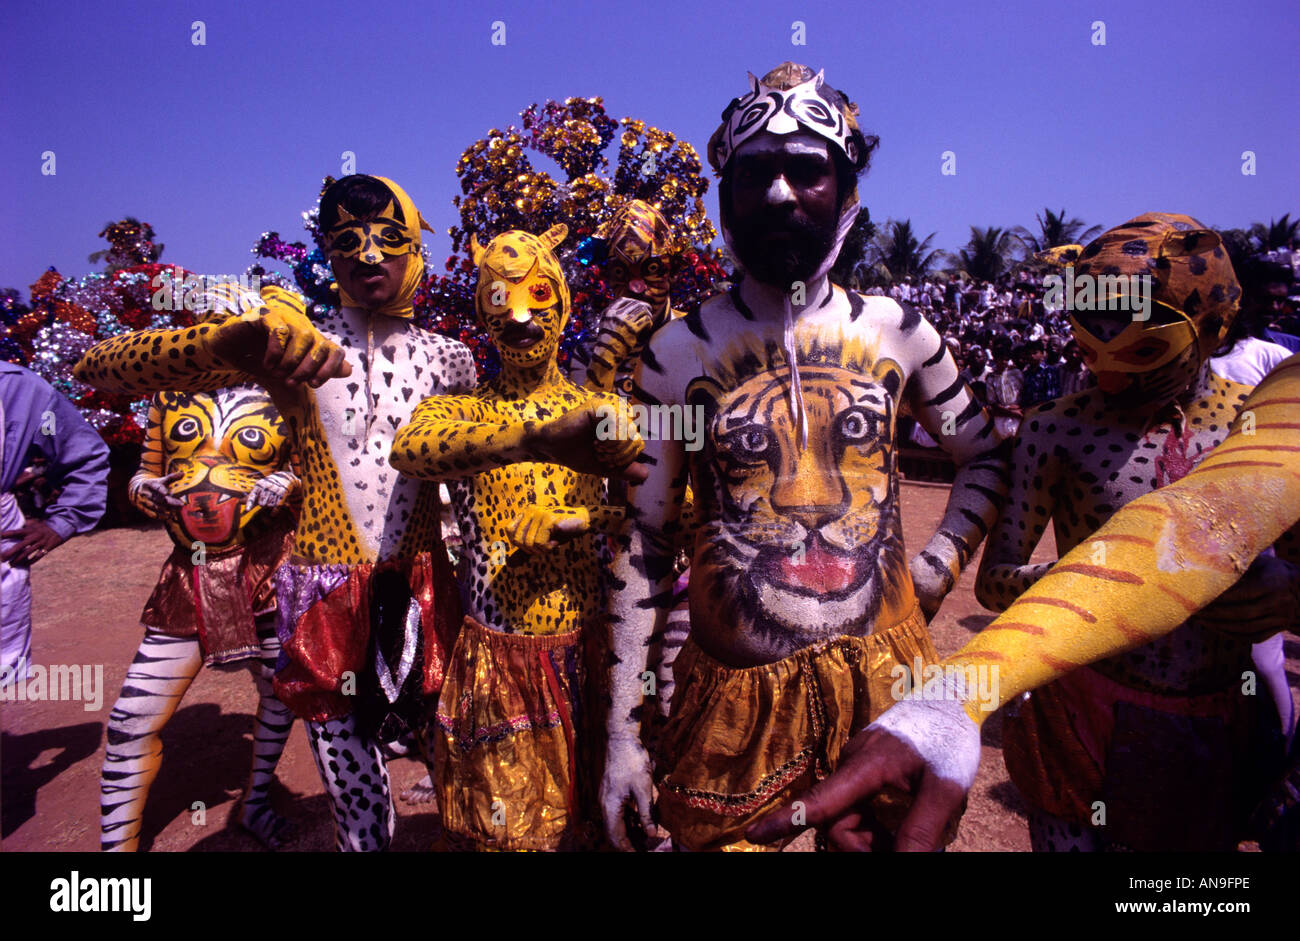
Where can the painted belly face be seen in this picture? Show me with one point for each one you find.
(805, 543)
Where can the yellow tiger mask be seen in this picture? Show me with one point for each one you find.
(640, 255)
(522, 296)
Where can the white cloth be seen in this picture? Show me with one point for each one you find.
(1249, 360)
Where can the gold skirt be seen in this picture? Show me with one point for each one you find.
(742, 741)
(507, 733)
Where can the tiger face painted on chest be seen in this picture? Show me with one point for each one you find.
(803, 545)
(220, 444)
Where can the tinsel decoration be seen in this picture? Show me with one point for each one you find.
(66, 316)
(501, 190)
(130, 243)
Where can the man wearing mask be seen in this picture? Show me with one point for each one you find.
(367, 608)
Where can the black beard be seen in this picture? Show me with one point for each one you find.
(799, 260)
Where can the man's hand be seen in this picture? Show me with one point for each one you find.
(155, 494)
(924, 746)
(627, 777)
(586, 440)
(840, 806)
(271, 491)
(277, 341)
(545, 527)
(931, 588)
(620, 325)
(36, 539)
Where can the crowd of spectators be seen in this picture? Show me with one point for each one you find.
(1017, 352)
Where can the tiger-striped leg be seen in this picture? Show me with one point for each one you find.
(356, 780)
(157, 679)
(270, 732)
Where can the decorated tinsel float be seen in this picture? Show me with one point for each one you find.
(501, 190)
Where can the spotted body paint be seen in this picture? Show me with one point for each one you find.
(505, 502)
(355, 507)
(1075, 462)
(1169, 554)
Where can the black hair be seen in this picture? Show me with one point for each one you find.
(362, 196)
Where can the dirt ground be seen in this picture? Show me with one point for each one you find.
(87, 600)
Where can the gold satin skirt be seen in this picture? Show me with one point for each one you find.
(740, 742)
(507, 732)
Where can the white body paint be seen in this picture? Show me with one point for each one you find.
(408, 364)
(934, 722)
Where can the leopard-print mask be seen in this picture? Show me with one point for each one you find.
(1188, 265)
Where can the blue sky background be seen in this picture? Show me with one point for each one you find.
(213, 145)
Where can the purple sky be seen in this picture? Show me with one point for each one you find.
(215, 144)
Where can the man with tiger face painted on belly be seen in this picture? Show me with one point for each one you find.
(802, 598)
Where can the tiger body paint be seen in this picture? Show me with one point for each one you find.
(795, 549)
(640, 259)
(216, 470)
(531, 579)
(1076, 461)
(801, 594)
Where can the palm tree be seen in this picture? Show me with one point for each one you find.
(1054, 229)
(899, 251)
(850, 268)
(988, 254)
(1279, 233)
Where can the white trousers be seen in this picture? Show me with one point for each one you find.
(15, 602)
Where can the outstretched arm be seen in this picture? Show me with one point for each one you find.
(1169, 554)
(271, 344)
(449, 437)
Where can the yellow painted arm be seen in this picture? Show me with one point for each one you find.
(1163, 556)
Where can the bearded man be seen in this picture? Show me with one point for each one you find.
(802, 600)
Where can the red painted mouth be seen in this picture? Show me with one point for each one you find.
(819, 568)
(210, 517)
